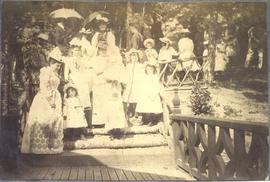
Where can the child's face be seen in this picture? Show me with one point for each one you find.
(71, 93)
(150, 70)
(134, 57)
(148, 46)
(76, 51)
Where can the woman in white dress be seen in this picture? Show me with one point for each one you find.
(107, 66)
(43, 132)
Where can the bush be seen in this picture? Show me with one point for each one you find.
(200, 100)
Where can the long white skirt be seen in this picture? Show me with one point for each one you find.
(43, 133)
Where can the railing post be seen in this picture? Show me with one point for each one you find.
(239, 154)
(211, 152)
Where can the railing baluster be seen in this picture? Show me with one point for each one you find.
(240, 154)
(211, 152)
(205, 158)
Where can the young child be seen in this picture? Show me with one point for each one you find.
(206, 64)
(149, 106)
(166, 54)
(135, 75)
(73, 112)
(150, 52)
(80, 76)
(221, 60)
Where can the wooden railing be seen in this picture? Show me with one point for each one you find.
(219, 148)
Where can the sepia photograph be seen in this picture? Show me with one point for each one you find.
(134, 90)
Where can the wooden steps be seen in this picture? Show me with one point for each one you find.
(131, 130)
(127, 141)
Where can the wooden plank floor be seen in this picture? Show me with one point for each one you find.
(82, 173)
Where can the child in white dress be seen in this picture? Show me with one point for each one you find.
(134, 77)
(221, 60)
(150, 52)
(73, 111)
(149, 106)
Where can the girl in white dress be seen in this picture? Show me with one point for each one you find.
(73, 112)
(221, 60)
(149, 105)
(135, 75)
(150, 52)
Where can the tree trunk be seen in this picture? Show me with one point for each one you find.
(129, 16)
(212, 47)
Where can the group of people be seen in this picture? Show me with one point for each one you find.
(78, 85)
(86, 84)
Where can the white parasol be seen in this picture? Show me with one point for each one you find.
(65, 13)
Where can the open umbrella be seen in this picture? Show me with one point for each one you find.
(93, 16)
(65, 14)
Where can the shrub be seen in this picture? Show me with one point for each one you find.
(200, 100)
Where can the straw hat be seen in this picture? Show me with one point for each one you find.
(165, 40)
(185, 30)
(149, 41)
(102, 19)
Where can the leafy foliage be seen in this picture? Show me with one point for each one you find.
(200, 100)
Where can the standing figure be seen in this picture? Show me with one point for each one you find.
(221, 60)
(136, 39)
(149, 104)
(43, 132)
(77, 73)
(107, 105)
(206, 63)
(156, 29)
(135, 75)
(103, 32)
(150, 52)
(73, 112)
(255, 52)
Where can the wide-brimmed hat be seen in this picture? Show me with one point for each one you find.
(185, 30)
(165, 40)
(56, 55)
(149, 41)
(101, 19)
